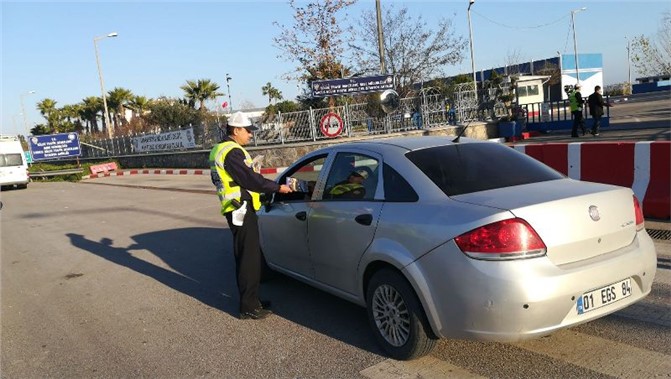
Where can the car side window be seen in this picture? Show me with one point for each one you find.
(302, 179)
(352, 177)
(396, 188)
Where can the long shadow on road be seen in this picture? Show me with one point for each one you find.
(201, 265)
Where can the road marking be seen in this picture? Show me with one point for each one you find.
(601, 355)
(426, 367)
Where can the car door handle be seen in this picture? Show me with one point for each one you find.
(301, 216)
(364, 219)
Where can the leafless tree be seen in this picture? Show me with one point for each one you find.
(413, 51)
(652, 56)
(315, 41)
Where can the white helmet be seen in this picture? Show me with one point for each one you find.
(240, 120)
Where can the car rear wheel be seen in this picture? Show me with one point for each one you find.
(396, 317)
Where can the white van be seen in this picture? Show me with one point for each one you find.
(13, 166)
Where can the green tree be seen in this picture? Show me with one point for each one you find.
(139, 105)
(47, 108)
(117, 99)
(71, 121)
(201, 91)
(413, 52)
(91, 107)
(171, 113)
(652, 56)
(271, 92)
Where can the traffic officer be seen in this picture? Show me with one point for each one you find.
(576, 101)
(239, 188)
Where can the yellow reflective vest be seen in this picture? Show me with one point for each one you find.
(354, 190)
(227, 189)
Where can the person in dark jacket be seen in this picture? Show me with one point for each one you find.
(239, 186)
(596, 104)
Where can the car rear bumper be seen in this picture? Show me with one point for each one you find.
(515, 300)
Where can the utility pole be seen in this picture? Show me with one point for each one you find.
(380, 37)
(470, 33)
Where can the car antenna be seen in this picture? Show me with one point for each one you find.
(456, 140)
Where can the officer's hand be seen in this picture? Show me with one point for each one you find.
(285, 189)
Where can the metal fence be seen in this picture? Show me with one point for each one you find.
(427, 111)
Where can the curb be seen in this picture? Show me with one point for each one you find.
(264, 171)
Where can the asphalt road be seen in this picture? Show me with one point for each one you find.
(111, 280)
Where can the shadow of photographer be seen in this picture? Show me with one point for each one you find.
(200, 265)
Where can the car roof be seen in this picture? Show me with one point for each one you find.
(406, 143)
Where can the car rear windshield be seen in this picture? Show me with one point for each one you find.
(7, 160)
(472, 167)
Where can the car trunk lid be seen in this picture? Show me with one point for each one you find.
(576, 220)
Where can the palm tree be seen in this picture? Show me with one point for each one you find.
(271, 92)
(117, 99)
(201, 91)
(72, 119)
(139, 104)
(91, 106)
(47, 108)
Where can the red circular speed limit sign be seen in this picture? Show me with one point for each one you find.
(331, 125)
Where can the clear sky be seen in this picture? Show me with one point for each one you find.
(47, 47)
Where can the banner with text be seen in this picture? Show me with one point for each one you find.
(54, 146)
(351, 86)
(179, 139)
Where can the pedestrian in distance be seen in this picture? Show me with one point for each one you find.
(239, 187)
(596, 104)
(576, 103)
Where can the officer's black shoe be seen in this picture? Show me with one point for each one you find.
(256, 314)
(575, 136)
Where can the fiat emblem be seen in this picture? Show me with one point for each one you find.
(594, 213)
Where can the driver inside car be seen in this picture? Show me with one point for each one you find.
(352, 188)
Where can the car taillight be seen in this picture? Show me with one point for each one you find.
(507, 239)
(639, 215)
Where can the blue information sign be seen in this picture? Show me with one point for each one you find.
(54, 146)
(351, 86)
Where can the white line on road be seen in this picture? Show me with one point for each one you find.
(601, 355)
(426, 368)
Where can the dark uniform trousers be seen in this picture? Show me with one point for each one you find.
(578, 121)
(247, 252)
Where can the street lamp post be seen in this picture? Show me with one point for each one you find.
(575, 43)
(470, 34)
(23, 110)
(107, 121)
(228, 88)
(629, 65)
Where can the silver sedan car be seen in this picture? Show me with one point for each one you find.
(468, 239)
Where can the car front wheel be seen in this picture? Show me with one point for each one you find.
(396, 317)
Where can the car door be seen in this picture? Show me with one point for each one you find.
(283, 222)
(342, 227)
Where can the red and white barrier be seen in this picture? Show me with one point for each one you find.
(150, 172)
(645, 167)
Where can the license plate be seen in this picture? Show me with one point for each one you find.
(603, 296)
